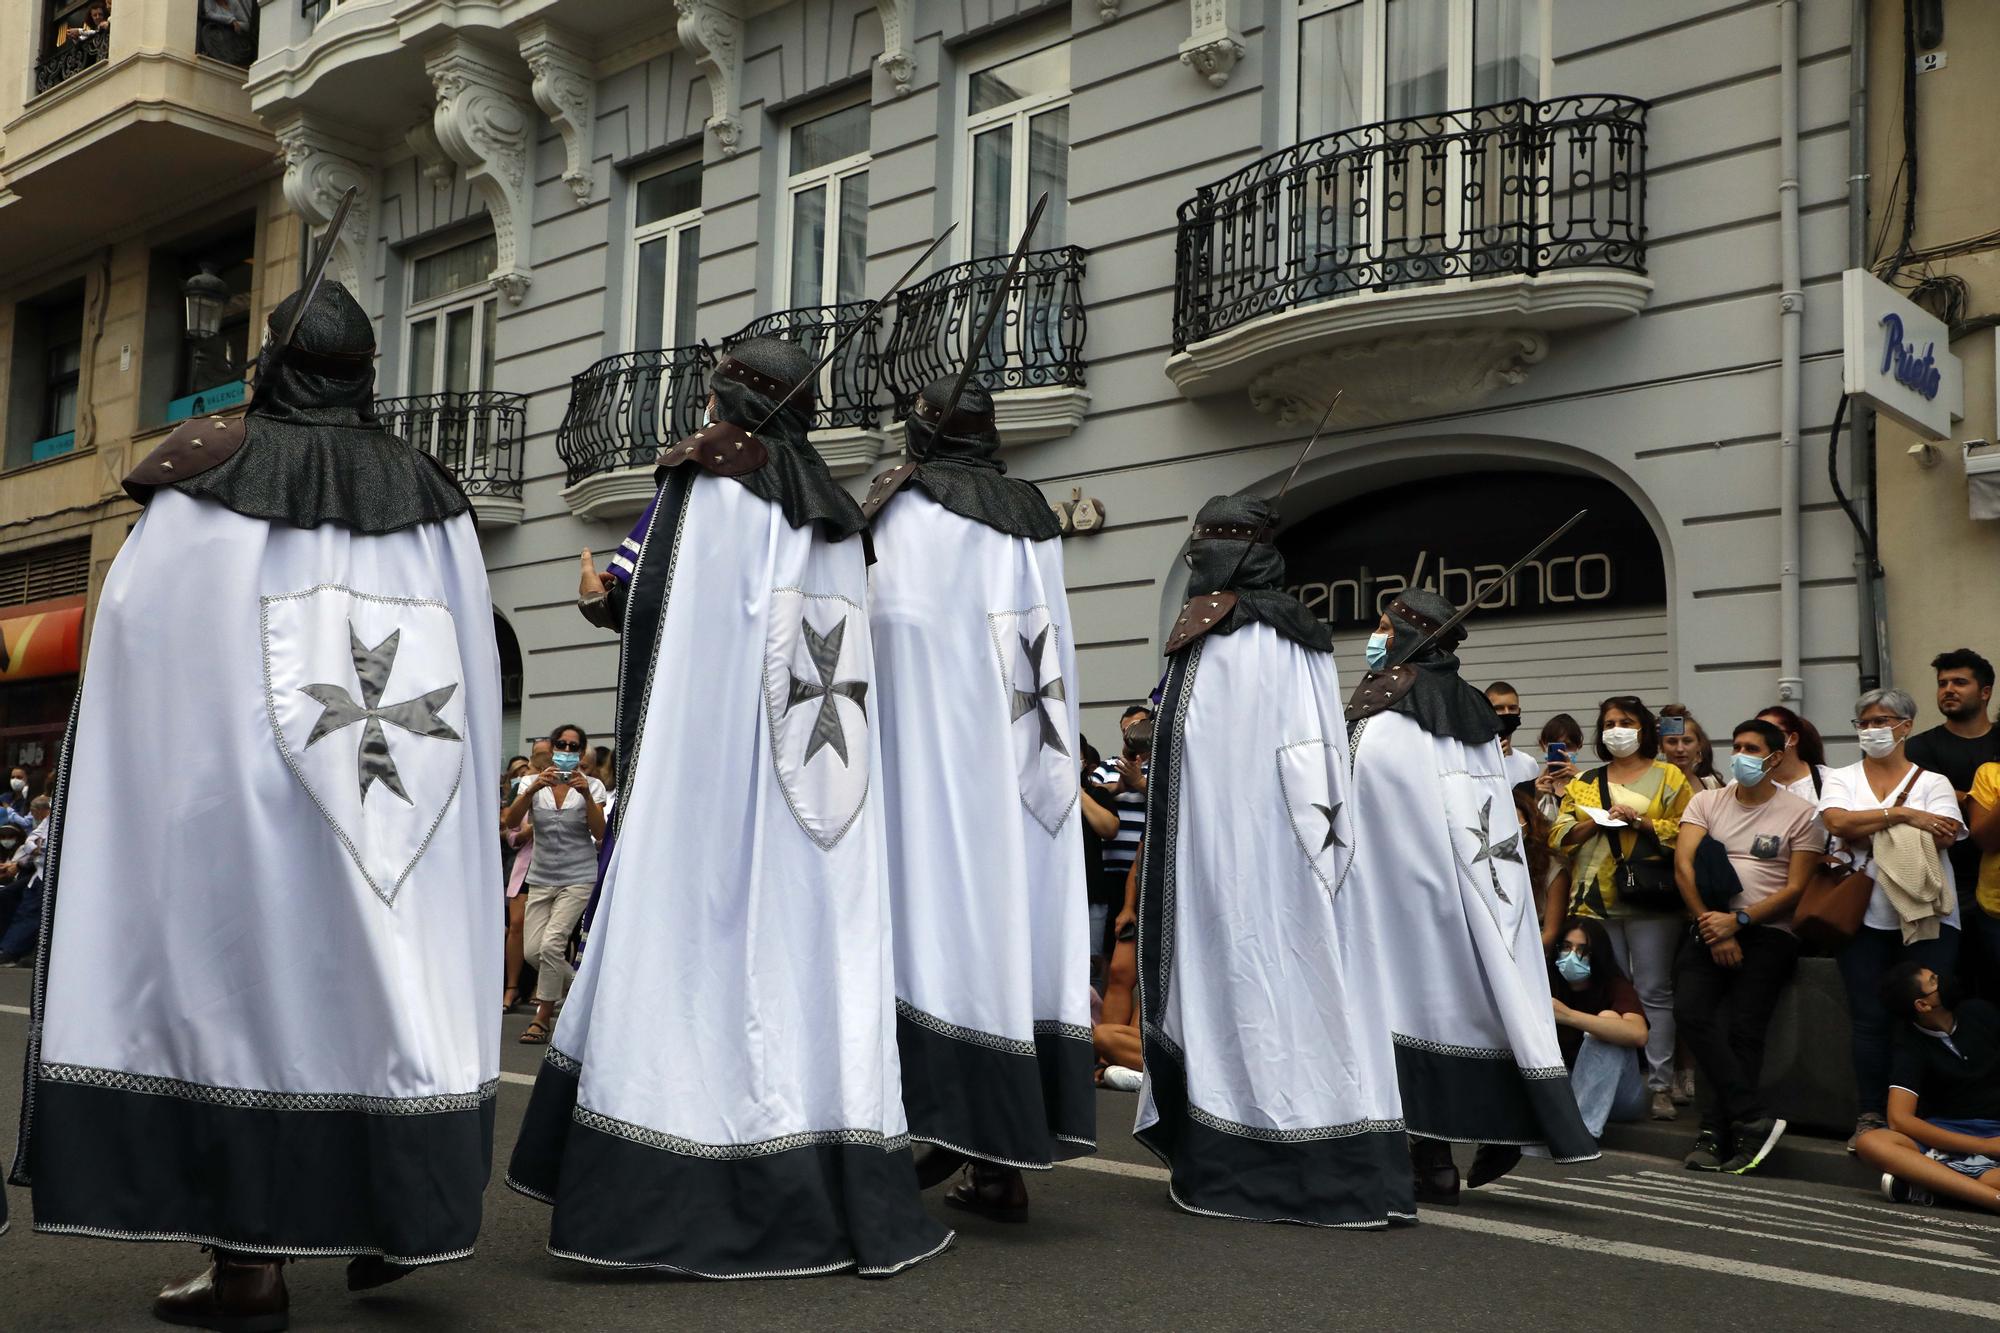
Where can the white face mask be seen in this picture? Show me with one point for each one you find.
(1623, 742)
(21, 785)
(1877, 742)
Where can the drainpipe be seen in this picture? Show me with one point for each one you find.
(1791, 318)
(1870, 609)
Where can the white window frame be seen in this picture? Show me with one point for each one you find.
(1021, 113)
(671, 229)
(475, 296)
(833, 175)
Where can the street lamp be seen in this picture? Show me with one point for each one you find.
(206, 296)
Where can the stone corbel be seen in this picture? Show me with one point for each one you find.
(485, 123)
(712, 32)
(1216, 43)
(565, 89)
(897, 57)
(431, 161)
(319, 169)
(1107, 10)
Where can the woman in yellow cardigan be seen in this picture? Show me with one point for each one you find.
(1648, 794)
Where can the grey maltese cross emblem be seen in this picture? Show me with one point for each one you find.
(824, 649)
(1491, 852)
(1039, 693)
(417, 716)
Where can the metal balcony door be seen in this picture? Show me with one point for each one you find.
(1018, 126)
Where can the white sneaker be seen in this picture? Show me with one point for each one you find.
(1120, 1079)
(1901, 1191)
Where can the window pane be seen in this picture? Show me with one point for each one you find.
(451, 270)
(1506, 50)
(670, 194)
(650, 296)
(1036, 75)
(1330, 73)
(1048, 170)
(458, 351)
(489, 334)
(808, 246)
(423, 356)
(829, 139)
(1418, 57)
(686, 286)
(853, 237)
(992, 192)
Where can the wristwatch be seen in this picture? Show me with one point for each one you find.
(1742, 919)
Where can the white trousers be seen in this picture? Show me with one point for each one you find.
(552, 913)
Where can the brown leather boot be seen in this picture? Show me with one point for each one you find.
(1436, 1174)
(240, 1293)
(995, 1192)
(1492, 1161)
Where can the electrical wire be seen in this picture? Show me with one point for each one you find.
(1847, 505)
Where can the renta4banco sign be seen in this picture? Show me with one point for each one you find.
(1897, 357)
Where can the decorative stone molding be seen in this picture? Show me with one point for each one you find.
(1216, 43)
(603, 496)
(849, 451)
(1392, 379)
(495, 511)
(1107, 10)
(319, 168)
(431, 161)
(712, 32)
(565, 88)
(486, 124)
(897, 57)
(1029, 416)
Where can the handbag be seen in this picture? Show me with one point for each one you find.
(1835, 903)
(1645, 879)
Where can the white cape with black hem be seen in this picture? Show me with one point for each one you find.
(720, 1097)
(978, 713)
(1446, 913)
(264, 1011)
(1270, 1088)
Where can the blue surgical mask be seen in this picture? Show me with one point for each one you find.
(567, 760)
(1575, 968)
(1747, 769)
(1378, 651)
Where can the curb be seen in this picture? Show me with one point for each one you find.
(1799, 1155)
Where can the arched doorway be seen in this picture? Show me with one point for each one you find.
(510, 687)
(1588, 619)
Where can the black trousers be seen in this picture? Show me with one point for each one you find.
(1723, 1013)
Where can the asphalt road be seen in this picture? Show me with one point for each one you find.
(1627, 1242)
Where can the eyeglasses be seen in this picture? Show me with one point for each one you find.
(568, 745)
(1879, 721)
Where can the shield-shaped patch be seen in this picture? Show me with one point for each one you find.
(1037, 700)
(1486, 841)
(1321, 823)
(365, 694)
(818, 670)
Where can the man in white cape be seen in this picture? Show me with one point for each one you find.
(1270, 1087)
(1443, 900)
(263, 1014)
(720, 1097)
(975, 668)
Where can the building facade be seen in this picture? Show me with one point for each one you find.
(1551, 254)
(136, 187)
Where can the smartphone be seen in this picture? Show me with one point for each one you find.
(1558, 755)
(1673, 726)
(1128, 931)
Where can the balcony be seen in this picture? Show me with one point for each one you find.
(622, 411)
(847, 418)
(1032, 362)
(1417, 263)
(71, 59)
(478, 435)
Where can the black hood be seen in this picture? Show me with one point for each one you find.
(959, 466)
(794, 477)
(1440, 699)
(1253, 570)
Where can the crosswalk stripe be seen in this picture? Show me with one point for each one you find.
(1744, 1187)
(14, 1009)
(1847, 1220)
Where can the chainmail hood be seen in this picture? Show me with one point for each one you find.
(1257, 578)
(959, 465)
(795, 477)
(1440, 700)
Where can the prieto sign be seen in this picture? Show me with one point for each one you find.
(1897, 357)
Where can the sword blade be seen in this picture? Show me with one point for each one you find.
(318, 274)
(999, 299)
(1479, 593)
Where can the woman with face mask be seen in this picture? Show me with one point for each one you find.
(1864, 805)
(1686, 746)
(1617, 824)
(1801, 770)
(568, 808)
(1600, 1025)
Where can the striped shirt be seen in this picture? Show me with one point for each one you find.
(1119, 851)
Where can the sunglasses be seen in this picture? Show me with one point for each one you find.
(569, 745)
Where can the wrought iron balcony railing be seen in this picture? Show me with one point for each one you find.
(71, 59)
(850, 388)
(1037, 341)
(624, 409)
(1519, 187)
(477, 434)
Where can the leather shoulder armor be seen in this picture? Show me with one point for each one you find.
(722, 448)
(1379, 690)
(1198, 617)
(885, 488)
(193, 448)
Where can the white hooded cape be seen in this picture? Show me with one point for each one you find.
(264, 1015)
(720, 1097)
(978, 715)
(1270, 1086)
(1443, 901)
